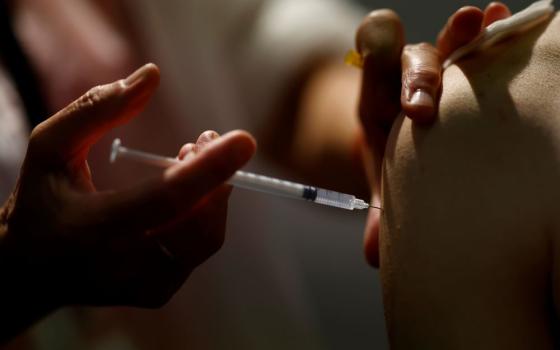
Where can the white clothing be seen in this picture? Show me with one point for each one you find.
(13, 135)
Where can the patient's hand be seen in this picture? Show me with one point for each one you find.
(408, 78)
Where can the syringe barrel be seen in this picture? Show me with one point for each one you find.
(253, 182)
(267, 185)
(292, 190)
(335, 199)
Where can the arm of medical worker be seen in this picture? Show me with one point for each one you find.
(64, 243)
(407, 78)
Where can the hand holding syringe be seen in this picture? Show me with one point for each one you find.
(254, 182)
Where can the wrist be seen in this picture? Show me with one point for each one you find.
(24, 296)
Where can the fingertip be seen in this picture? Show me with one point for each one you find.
(135, 90)
(380, 34)
(467, 12)
(495, 11)
(463, 26)
(243, 145)
(421, 114)
(466, 23)
(420, 106)
(243, 137)
(148, 74)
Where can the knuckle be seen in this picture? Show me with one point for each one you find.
(35, 139)
(98, 94)
(92, 97)
(423, 75)
(380, 34)
(425, 47)
(422, 48)
(420, 68)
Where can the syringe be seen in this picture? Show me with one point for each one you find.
(254, 182)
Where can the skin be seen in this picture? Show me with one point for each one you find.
(392, 74)
(62, 242)
(319, 126)
(470, 231)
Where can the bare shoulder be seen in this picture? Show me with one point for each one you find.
(470, 204)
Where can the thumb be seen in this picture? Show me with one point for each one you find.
(380, 40)
(166, 198)
(68, 135)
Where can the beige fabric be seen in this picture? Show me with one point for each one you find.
(230, 59)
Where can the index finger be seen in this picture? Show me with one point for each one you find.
(461, 28)
(421, 81)
(67, 136)
(466, 24)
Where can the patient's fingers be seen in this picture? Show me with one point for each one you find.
(380, 41)
(495, 11)
(190, 149)
(466, 24)
(421, 81)
(461, 28)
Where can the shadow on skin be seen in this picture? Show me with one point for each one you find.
(489, 78)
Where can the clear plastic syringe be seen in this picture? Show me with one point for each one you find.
(254, 182)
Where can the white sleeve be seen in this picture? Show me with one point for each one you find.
(285, 36)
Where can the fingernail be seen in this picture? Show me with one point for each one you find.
(206, 138)
(187, 152)
(139, 75)
(422, 98)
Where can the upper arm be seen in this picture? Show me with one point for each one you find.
(466, 227)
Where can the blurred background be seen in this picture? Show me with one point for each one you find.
(291, 274)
